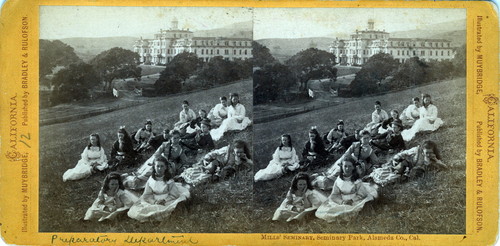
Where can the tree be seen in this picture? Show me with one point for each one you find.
(271, 82)
(411, 73)
(261, 55)
(460, 61)
(217, 71)
(182, 67)
(52, 54)
(312, 64)
(74, 83)
(369, 78)
(116, 63)
(439, 70)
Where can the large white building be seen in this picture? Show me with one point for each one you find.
(363, 44)
(168, 43)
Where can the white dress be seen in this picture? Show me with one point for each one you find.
(137, 180)
(112, 206)
(377, 119)
(359, 192)
(428, 121)
(410, 115)
(236, 120)
(218, 114)
(299, 206)
(171, 192)
(284, 157)
(185, 118)
(83, 168)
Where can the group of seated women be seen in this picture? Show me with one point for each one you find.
(355, 176)
(174, 162)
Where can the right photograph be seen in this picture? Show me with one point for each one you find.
(359, 120)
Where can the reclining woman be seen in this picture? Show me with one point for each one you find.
(364, 159)
(284, 160)
(411, 163)
(175, 158)
(428, 120)
(236, 119)
(220, 164)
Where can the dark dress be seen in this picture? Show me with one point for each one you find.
(388, 141)
(125, 150)
(313, 156)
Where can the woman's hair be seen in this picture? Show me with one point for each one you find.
(317, 137)
(168, 174)
(395, 111)
(354, 175)
(223, 98)
(428, 96)
(340, 122)
(98, 140)
(289, 140)
(364, 132)
(298, 177)
(378, 103)
(126, 138)
(206, 123)
(428, 144)
(231, 95)
(148, 122)
(174, 132)
(240, 144)
(109, 177)
(185, 102)
(416, 99)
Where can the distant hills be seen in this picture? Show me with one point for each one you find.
(88, 48)
(283, 49)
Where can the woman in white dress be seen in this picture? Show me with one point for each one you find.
(112, 200)
(185, 116)
(378, 116)
(219, 112)
(348, 197)
(92, 159)
(411, 113)
(284, 160)
(300, 200)
(236, 119)
(428, 120)
(161, 195)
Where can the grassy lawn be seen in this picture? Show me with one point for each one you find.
(434, 204)
(220, 207)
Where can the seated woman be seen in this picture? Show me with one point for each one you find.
(219, 112)
(185, 116)
(199, 142)
(349, 195)
(335, 136)
(412, 163)
(411, 113)
(314, 153)
(155, 142)
(391, 140)
(92, 159)
(122, 152)
(428, 120)
(143, 135)
(300, 200)
(386, 125)
(236, 119)
(161, 195)
(196, 123)
(112, 200)
(378, 116)
(364, 161)
(171, 150)
(284, 160)
(220, 164)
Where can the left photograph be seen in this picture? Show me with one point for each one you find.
(146, 119)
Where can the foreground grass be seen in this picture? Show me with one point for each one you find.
(434, 204)
(221, 207)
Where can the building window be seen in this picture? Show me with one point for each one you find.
(202, 52)
(211, 52)
(422, 53)
(226, 52)
(234, 52)
(217, 51)
(245, 52)
(240, 52)
(398, 52)
(448, 52)
(442, 52)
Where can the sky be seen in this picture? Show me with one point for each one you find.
(322, 22)
(58, 22)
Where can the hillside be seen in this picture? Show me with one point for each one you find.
(236, 30)
(285, 48)
(63, 205)
(434, 204)
(88, 48)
